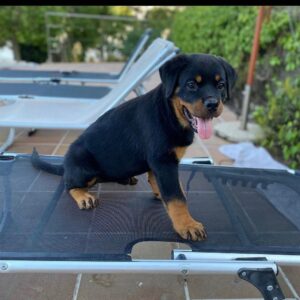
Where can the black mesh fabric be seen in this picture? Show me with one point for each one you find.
(50, 90)
(243, 210)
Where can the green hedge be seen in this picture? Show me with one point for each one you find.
(281, 120)
(228, 32)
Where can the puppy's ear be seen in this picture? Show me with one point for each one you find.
(169, 73)
(231, 76)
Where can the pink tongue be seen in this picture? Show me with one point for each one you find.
(204, 128)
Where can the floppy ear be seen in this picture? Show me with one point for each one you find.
(231, 76)
(170, 71)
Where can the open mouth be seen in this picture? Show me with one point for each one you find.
(203, 127)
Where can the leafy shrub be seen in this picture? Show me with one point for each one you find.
(228, 32)
(281, 120)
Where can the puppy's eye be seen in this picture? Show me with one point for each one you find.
(220, 85)
(192, 85)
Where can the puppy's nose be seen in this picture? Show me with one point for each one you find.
(211, 104)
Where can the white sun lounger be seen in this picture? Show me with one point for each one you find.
(57, 76)
(67, 113)
(43, 231)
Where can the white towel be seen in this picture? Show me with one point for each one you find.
(249, 156)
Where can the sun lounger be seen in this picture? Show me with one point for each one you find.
(250, 232)
(69, 113)
(58, 76)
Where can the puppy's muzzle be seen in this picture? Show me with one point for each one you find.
(211, 104)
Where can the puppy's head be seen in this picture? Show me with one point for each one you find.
(197, 85)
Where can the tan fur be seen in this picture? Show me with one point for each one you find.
(198, 78)
(180, 151)
(153, 183)
(183, 222)
(217, 77)
(178, 111)
(83, 199)
(92, 182)
(220, 108)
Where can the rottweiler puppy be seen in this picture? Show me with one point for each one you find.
(150, 133)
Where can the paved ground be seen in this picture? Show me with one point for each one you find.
(108, 286)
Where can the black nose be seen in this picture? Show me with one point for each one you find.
(211, 104)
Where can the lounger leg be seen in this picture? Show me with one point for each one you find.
(140, 90)
(32, 131)
(265, 281)
(9, 140)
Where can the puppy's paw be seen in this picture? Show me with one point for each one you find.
(84, 199)
(191, 230)
(157, 196)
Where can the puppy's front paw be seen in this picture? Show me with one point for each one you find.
(84, 199)
(190, 229)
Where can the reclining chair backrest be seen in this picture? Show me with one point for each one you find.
(66, 113)
(136, 51)
(155, 53)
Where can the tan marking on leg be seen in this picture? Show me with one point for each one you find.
(92, 182)
(182, 190)
(183, 222)
(198, 78)
(83, 199)
(180, 151)
(153, 183)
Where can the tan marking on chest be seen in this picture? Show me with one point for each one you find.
(180, 151)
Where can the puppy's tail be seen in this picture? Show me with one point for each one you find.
(45, 166)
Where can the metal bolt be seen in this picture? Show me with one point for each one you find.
(270, 288)
(244, 274)
(275, 298)
(184, 271)
(4, 267)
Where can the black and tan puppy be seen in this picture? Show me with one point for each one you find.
(150, 134)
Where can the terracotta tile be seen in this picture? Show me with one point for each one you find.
(215, 140)
(195, 150)
(72, 136)
(41, 136)
(293, 274)
(131, 287)
(3, 134)
(27, 148)
(218, 157)
(37, 286)
(62, 150)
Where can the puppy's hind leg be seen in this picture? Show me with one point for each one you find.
(154, 186)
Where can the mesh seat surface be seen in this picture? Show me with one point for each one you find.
(243, 210)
